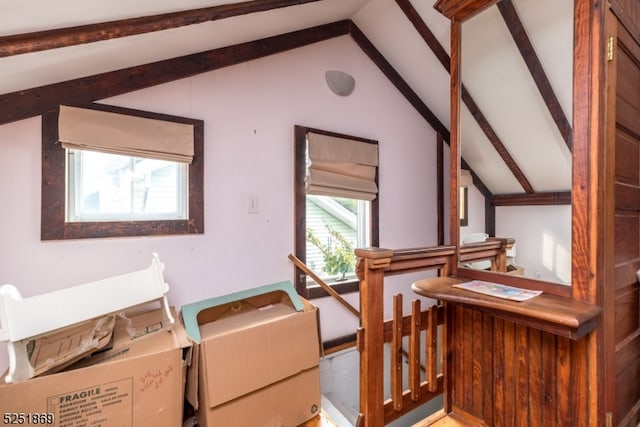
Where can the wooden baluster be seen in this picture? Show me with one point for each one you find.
(414, 351)
(396, 353)
(432, 348)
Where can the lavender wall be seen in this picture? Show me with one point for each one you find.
(249, 112)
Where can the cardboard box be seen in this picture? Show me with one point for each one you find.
(515, 270)
(138, 381)
(258, 356)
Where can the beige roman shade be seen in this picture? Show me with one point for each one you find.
(86, 129)
(341, 167)
(466, 180)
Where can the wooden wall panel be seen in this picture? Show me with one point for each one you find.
(499, 373)
(488, 360)
(628, 12)
(627, 316)
(627, 159)
(525, 376)
(626, 232)
(628, 390)
(510, 374)
(625, 273)
(627, 197)
(626, 292)
(477, 367)
(627, 88)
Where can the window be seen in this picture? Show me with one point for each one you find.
(112, 187)
(332, 219)
(144, 189)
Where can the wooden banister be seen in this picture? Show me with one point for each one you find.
(374, 264)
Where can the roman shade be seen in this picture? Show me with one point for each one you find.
(341, 167)
(466, 180)
(87, 129)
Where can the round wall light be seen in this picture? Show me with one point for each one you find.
(339, 82)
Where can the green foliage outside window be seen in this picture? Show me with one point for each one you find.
(337, 252)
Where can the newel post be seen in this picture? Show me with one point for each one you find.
(370, 270)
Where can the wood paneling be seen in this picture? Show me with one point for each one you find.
(628, 11)
(626, 289)
(526, 376)
(627, 316)
(626, 236)
(628, 390)
(625, 273)
(627, 159)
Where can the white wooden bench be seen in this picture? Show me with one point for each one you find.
(22, 319)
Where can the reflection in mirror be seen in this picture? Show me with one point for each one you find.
(516, 138)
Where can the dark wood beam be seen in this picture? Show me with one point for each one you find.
(425, 32)
(495, 140)
(71, 36)
(550, 198)
(395, 78)
(461, 10)
(440, 187)
(519, 34)
(33, 102)
(489, 217)
(443, 57)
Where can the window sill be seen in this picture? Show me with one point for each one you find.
(341, 287)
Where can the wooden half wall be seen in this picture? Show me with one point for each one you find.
(508, 374)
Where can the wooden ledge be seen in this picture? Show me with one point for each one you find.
(551, 313)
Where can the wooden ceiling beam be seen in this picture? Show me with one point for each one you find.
(519, 34)
(548, 198)
(36, 101)
(443, 57)
(461, 10)
(395, 78)
(71, 36)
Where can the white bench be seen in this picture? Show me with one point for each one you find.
(21, 319)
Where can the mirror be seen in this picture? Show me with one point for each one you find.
(520, 191)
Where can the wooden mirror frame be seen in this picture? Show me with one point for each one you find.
(588, 110)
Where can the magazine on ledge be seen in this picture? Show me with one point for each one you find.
(498, 290)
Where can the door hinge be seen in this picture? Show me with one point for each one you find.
(609, 419)
(610, 48)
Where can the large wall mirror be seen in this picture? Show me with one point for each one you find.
(515, 136)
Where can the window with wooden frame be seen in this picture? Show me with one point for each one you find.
(115, 172)
(466, 181)
(336, 206)
(464, 207)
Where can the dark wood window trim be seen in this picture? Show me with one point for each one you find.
(464, 218)
(53, 224)
(300, 214)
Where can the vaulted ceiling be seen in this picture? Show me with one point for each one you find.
(516, 132)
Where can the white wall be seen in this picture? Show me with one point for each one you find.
(542, 235)
(249, 112)
(543, 239)
(475, 212)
